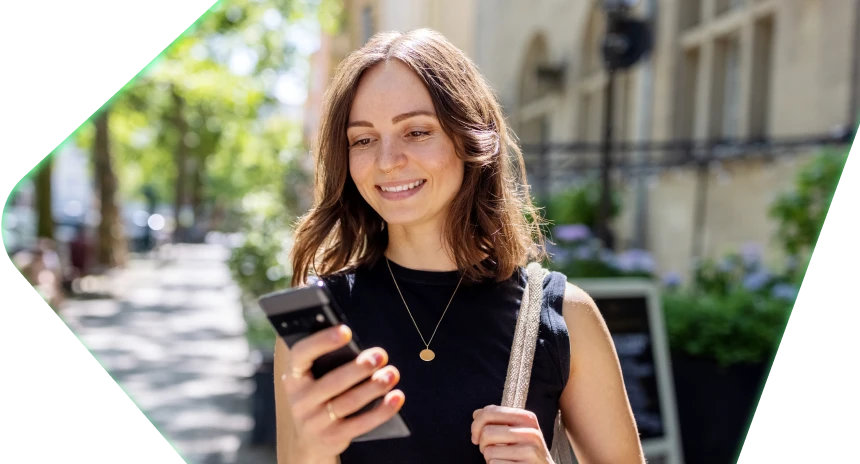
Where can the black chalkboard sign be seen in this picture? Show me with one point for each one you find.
(634, 316)
(627, 321)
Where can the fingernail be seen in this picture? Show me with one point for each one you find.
(370, 359)
(341, 333)
(382, 377)
(396, 401)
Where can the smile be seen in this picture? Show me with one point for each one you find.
(402, 188)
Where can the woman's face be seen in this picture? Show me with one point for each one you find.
(401, 160)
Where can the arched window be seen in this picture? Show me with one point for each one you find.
(533, 116)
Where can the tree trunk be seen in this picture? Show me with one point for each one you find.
(197, 205)
(112, 247)
(179, 233)
(44, 210)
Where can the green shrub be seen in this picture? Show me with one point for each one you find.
(735, 311)
(578, 205)
(800, 212)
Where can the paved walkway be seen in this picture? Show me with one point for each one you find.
(172, 337)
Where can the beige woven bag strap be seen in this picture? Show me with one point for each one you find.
(525, 339)
(522, 358)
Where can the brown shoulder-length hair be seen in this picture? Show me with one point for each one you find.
(492, 226)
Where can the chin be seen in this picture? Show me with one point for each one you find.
(401, 218)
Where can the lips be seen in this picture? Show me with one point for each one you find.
(401, 187)
(400, 190)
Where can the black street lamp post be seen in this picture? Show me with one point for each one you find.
(627, 40)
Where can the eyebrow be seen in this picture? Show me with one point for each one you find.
(394, 120)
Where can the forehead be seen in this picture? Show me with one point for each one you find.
(387, 89)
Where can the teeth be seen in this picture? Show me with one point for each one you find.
(401, 188)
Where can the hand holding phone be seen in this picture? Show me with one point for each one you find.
(339, 393)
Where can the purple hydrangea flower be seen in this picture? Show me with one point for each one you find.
(672, 279)
(726, 265)
(609, 258)
(583, 253)
(635, 260)
(561, 255)
(572, 232)
(784, 291)
(751, 254)
(756, 281)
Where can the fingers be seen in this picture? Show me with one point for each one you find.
(363, 423)
(509, 454)
(504, 435)
(499, 415)
(308, 349)
(379, 384)
(340, 380)
(355, 399)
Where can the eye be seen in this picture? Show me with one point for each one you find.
(419, 133)
(361, 142)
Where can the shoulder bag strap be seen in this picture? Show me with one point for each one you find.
(522, 358)
(525, 339)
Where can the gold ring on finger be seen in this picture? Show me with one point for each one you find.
(331, 414)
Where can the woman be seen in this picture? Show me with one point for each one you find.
(421, 230)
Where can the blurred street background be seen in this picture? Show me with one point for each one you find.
(695, 144)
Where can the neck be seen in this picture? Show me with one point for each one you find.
(419, 247)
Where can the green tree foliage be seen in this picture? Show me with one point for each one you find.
(800, 212)
(201, 126)
(579, 205)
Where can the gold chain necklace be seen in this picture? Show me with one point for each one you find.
(426, 354)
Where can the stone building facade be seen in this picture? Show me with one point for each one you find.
(719, 69)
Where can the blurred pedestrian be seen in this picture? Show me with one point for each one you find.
(422, 212)
(79, 251)
(42, 268)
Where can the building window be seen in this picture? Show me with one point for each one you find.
(691, 13)
(723, 6)
(366, 23)
(728, 91)
(686, 115)
(711, 105)
(762, 63)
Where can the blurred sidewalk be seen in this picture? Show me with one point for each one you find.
(173, 338)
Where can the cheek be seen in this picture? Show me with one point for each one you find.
(359, 169)
(441, 159)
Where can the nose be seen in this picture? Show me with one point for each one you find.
(391, 155)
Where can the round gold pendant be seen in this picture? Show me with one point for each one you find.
(427, 355)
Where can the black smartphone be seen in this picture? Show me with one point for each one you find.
(297, 313)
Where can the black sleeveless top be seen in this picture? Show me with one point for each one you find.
(472, 346)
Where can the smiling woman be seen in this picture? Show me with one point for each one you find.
(421, 228)
(406, 166)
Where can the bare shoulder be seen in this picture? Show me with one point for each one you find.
(580, 308)
(585, 324)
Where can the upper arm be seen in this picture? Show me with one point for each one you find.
(594, 403)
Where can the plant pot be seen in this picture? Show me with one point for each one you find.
(263, 403)
(715, 406)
